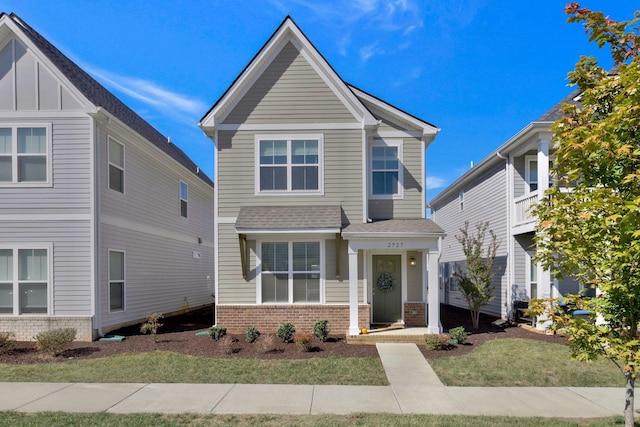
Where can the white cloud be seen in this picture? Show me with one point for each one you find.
(171, 104)
(435, 182)
(367, 52)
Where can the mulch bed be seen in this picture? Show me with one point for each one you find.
(178, 335)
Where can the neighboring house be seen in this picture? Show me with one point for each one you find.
(102, 219)
(319, 199)
(501, 189)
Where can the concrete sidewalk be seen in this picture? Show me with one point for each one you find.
(414, 388)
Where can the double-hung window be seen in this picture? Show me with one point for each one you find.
(289, 164)
(184, 197)
(25, 155)
(290, 272)
(24, 280)
(531, 173)
(116, 280)
(116, 165)
(386, 169)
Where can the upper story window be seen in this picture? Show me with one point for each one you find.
(24, 280)
(531, 173)
(184, 194)
(25, 155)
(289, 164)
(461, 201)
(116, 165)
(386, 169)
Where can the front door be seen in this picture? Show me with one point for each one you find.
(386, 289)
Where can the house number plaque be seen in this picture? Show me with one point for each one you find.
(395, 245)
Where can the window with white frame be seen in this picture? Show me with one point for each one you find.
(184, 194)
(116, 280)
(116, 165)
(531, 173)
(461, 201)
(24, 155)
(24, 280)
(532, 275)
(289, 164)
(290, 272)
(386, 169)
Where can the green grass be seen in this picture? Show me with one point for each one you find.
(168, 367)
(524, 363)
(374, 420)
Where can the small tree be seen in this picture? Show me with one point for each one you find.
(475, 280)
(593, 231)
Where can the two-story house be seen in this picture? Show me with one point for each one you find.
(320, 199)
(501, 189)
(102, 219)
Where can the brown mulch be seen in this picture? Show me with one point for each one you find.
(178, 334)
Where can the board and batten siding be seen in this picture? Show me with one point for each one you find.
(485, 199)
(236, 184)
(410, 205)
(289, 91)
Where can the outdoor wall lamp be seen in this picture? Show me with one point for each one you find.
(412, 261)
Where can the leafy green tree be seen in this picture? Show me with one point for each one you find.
(592, 230)
(475, 281)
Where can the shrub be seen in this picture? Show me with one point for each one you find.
(267, 343)
(303, 341)
(321, 330)
(217, 332)
(285, 332)
(55, 341)
(152, 324)
(251, 334)
(7, 341)
(436, 342)
(458, 334)
(228, 345)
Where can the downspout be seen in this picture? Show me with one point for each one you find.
(508, 268)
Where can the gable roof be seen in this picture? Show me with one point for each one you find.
(351, 97)
(101, 97)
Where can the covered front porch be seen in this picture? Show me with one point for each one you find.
(391, 264)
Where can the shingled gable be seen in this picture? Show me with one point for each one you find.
(288, 31)
(100, 97)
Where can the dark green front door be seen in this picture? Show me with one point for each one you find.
(386, 289)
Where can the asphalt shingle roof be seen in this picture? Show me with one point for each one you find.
(396, 226)
(101, 97)
(555, 112)
(289, 217)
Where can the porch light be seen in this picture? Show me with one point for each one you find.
(412, 261)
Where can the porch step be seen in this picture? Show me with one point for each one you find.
(408, 335)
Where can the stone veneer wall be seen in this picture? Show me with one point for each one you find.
(267, 318)
(27, 327)
(414, 314)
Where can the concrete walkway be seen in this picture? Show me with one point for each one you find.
(414, 388)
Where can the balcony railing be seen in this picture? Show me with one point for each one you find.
(523, 204)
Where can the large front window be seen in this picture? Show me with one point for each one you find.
(290, 272)
(289, 164)
(24, 281)
(386, 169)
(24, 155)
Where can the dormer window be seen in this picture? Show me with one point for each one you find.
(289, 164)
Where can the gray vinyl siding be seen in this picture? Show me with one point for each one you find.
(342, 174)
(27, 84)
(387, 125)
(337, 289)
(161, 274)
(71, 164)
(519, 286)
(414, 278)
(293, 89)
(71, 285)
(410, 206)
(484, 200)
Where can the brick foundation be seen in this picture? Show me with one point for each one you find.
(267, 318)
(414, 314)
(26, 327)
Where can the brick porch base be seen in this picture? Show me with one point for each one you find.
(267, 318)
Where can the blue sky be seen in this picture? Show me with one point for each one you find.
(480, 70)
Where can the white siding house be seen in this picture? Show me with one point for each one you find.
(500, 190)
(320, 210)
(101, 218)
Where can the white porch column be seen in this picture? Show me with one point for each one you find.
(354, 329)
(433, 299)
(543, 165)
